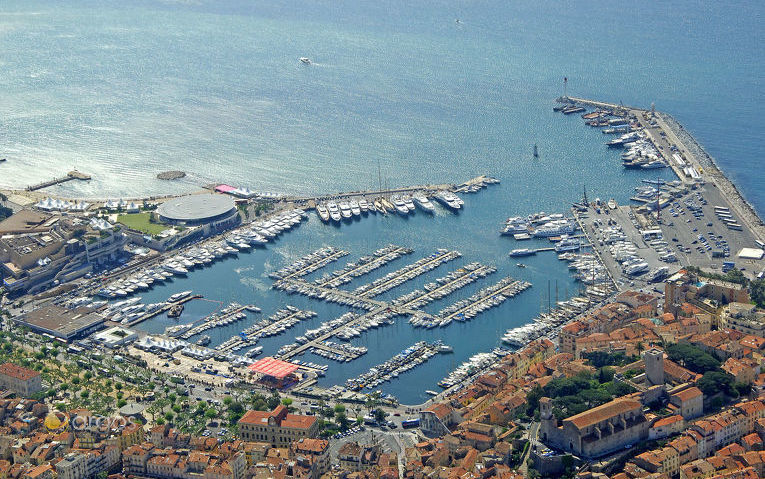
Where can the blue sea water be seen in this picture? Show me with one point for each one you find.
(125, 89)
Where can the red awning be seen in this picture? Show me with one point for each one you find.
(273, 367)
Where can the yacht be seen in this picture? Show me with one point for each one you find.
(334, 211)
(523, 252)
(345, 210)
(567, 244)
(355, 208)
(424, 203)
(448, 199)
(364, 206)
(399, 205)
(175, 268)
(178, 296)
(408, 202)
(387, 205)
(323, 212)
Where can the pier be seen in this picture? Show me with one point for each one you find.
(275, 324)
(456, 280)
(72, 175)
(163, 309)
(406, 273)
(346, 274)
(310, 263)
(228, 316)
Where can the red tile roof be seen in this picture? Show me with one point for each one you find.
(18, 372)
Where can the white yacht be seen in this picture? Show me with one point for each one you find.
(408, 202)
(364, 206)
(345, 210)
(399, 205)
(334, 211)
(424, 203)
(323, 212)
(355, 208)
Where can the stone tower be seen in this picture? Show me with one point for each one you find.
(654, 366)
(549, 423)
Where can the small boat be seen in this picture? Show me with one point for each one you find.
(536, 151)
(520, 265)
(305, 60)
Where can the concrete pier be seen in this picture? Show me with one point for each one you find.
(72, 175)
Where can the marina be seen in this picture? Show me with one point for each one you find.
(275, 324)
(309, 263)
(228, 315)
(364, 265)
(402, 362)
(407, 273)
(467, 309)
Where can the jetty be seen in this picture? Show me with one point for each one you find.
(163, 309)
(72, 175)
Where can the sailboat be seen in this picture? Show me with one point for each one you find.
(536, 151)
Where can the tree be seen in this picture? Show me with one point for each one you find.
(339, 408)
(380, 415)
(211, 413)
(287, 401)
(692, 358)
(757, 292)
(714, 382)
(342, 421)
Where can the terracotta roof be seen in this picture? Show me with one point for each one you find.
(441, 410)
(603, 412)
(295, 421)
(18, 372)
(668, 420)
(688, 394)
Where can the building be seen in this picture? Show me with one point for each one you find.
(437, 419)
(277, 427)
(686, 287)
(598, 431)
(315, 452)
(22, 380)
(72, 466)
(654, 366)
(64, 323)
(197, 210)
(115, 337)
(690, 402)
(743, 317)
(65, 249)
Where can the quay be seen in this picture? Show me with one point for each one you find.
(478, 181)
(163, 309)
(72, 175)
(682, 225)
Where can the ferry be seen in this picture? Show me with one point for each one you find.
(523, 252)
(323, 212)
(424, 203)
(432, 393)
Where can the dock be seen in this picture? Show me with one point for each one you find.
(215, 319)
(72, 175)
(406, 273)
(346, 274)
(283, 318)
(310, 263)
(163, 309)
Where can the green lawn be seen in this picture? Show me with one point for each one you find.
(140, 222)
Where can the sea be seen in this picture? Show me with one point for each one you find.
(397, 93)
